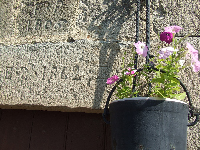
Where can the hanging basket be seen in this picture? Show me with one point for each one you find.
(142, 123)
(146, 123)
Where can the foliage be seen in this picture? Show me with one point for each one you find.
(162, 77)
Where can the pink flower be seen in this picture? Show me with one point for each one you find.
(141, 48)
(194, 56)
(166, 52)
(172, 29)
(192, 51)
(166, 36)
(132, 72)
(112, 79)
(195, 65)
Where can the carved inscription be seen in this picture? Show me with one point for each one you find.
(24, 72)
(64, 73)
(46, 25)
(30, 72)
(53, 72)
(44, 72)
(8, 72)
(45, 16)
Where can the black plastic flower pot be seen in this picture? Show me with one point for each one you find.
(145, 123)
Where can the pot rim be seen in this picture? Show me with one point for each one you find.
(148, 98)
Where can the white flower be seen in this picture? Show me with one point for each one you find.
(181, 62)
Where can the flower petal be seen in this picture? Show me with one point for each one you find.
(166, 52)
(192, 51)
(112, 79)
(196, 66)
(172, 29)
(141, 48)
(166, 36)
(181, 62)
(130, 72)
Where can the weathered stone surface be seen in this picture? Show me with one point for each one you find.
(57, 55)
(61, 74)
(33, 21)
(68, 74)
(174, 12)
(36, 17)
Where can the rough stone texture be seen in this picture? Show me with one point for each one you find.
(184, 13)
(31, 21)
(62, 74)
(57, 54)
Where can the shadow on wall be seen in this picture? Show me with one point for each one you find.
(111, 20)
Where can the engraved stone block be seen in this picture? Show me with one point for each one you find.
(60, 74)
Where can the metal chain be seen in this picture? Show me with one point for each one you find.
(148, 29)
(136, 40)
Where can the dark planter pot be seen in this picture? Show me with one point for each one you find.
(144, 123)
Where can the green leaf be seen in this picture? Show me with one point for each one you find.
(180, 96)
(171, 84)
(175, 89)
(174, 80)
(157, 80)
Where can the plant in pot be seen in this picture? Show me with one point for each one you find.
(149, 113)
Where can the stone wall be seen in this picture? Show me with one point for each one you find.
(57, 54)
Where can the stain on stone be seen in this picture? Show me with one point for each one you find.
(17, 72)
(70, 39)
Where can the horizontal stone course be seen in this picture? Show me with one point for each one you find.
(54, 21)
(57, 55)
(67, 74)
(61, 74)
